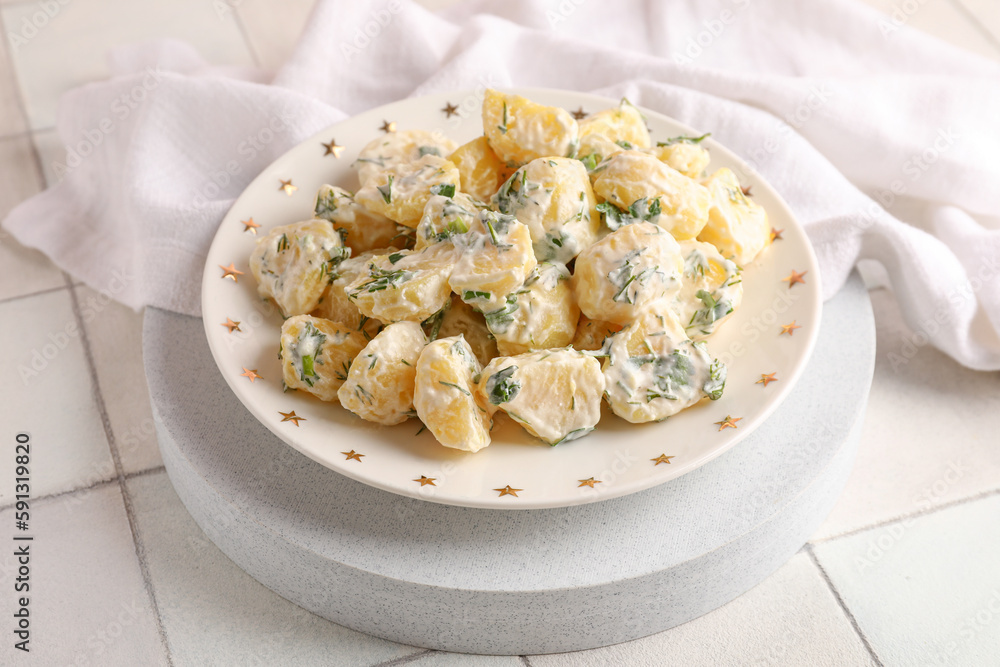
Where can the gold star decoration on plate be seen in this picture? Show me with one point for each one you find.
(789, 328)
(746, 190)
(249, 226)
(291, 417)
(287, 186)
(252, 375)
(508, 491)
(449, 110)
(353, 455)
(388, 127)
(231, 272)
(333, 149)
(232, 326)
(766, 378)
(794, 277)
(579, 114)
(588, 482)
(662, 458)
(424, 480)
(728, 422)
(776, 234)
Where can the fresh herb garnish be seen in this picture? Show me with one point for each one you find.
(386, 191)
(443, 189)
(501, 387)
(684, 140)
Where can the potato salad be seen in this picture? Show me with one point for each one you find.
(545, 272)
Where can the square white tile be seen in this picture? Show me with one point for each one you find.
(941, 19)
(791, 618)
(87, 604)
(924, 443)
(12, 119)
(214, 613)
(48, 393)
(22, 270)
(115, 334)
(71, 48)
(925, 591)
(274, 28)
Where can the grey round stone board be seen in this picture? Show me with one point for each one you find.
(519, 581)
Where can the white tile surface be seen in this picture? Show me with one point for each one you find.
(273, 40)
(115, 334)
(47, 392)
(22, 270)
(910, 459)
(71, 48)
(791, 618)
(941, 19)
(214, 613)
(11, 117)
(87, 604)
(50, 151)
(926, 592)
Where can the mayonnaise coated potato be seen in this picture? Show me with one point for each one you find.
(382, 379)
(611, 131)
(396, 148)
(294, 263)
(480, 170)
(445, 217)
(737, 226)
(461, 318)
(496, 258)
(554, 394)
(404, 285)
(401, 191)
(542, 314)
(654, 370)
(711, 289)
(360, 229)
(445, 398)
(520, 130)
(685, 154)
(316, 354)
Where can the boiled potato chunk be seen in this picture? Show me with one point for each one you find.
(382, 379)
(683, 154)
(637, 186)
(711, 290)
(337, 306)
(496, 258)
(461, 318)
(360, 229)
(591, 334)
(294, 263)
(480, 170)
(402, 190)
(404, 285)
(654, 370)
(737, 226)
(612, 130)
(445, 217)
(396, 148)
(543, 314)
(554, 394)
(316, 354)
(445, 399)
(520, 130)
(625, 270)
(553, 196)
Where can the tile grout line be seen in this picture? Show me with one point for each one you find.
(10, 299)
(843, 605)
(525, 660)
(402, 660)
(91, 487)
(140, 550)
(912, 515)
(978, 25)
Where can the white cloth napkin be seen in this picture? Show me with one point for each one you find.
(883, 141)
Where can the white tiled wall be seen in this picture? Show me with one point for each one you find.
(904, 571)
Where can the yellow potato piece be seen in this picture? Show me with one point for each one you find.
(625, 270)
(382, 379)
(654, 370)
(659, 193)
(294, 263)
(461, 318)
(316, 354)
(337, 306)
(688, 158)
(520, 130)
(395, 148)
(711, 290)
(444, 397)
(612, 130)
(360, 229)
(444, 217)
(496, 258)
(404, 285)
(553, 394)
(542, 314)
(737, 226)
(553, 196)
(401, 191)
(591, 334)
(480, 170)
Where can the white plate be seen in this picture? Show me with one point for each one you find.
(621, 458)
